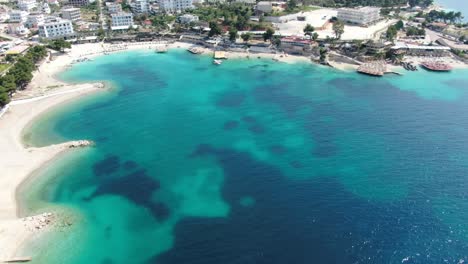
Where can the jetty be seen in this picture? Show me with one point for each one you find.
(219, 55)
(376, 68)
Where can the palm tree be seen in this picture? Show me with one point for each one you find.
(308, 30)
(338, 28)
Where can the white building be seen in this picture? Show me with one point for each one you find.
(361, 16)
(171, 6)
(114, 8)
(17, 29)
(188, 18)
(140, 6)
(45, 8)
(53, 2)
(250, 2)
(17, 16)
(35, 19)
(121, 21)
(78, 3)
(56, 28)
(264, 6)
(4, 17)
(71, 13)
(27, 5)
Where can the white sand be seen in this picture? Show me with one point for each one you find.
(44, 93)
(18, 162)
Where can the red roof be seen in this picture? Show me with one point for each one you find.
(296, 39)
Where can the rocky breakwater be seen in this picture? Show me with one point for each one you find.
(38, 222)
(79, 143)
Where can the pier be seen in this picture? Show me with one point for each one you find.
(376, 68)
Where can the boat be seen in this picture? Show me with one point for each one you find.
(18, 260)
(195, 50)
(217, 62)
(161, 49)
(436, 66)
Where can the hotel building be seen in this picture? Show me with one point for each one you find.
(361, 16)
(171, 6)
(56, 28)
(71, 13)
(121, 21)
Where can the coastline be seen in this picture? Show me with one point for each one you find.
(44, 93)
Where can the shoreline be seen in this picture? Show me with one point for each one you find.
(43, 94)
(46, 92)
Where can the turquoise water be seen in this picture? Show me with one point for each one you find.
(456, 5)
(255, 161)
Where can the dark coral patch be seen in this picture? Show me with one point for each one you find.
(249, 119)
(278, 150)
(106, 166)
(130, 165)
(296, 164)
(230, 125)
(159, 210)
(231, 99)
(201, 150)
(138, 188)
(256, 128)
(324, 151)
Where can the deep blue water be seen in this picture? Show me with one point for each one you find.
(260, 162)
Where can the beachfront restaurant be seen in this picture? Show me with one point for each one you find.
(296, 45)
(421, 50)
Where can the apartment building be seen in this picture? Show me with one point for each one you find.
(361, 16)
(71, 13)
(171, 6)
(55, 28)
(18, 16)
(121, 21)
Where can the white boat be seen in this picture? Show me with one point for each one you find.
(161, 49)
(195, 50)
(217, 62)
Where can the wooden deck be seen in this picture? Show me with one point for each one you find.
(376, 68)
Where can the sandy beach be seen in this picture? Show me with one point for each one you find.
(42, 94)
(18, 162)
(45, 92)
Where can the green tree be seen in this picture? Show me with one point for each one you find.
(233, 34)
(323, 55)
(8, 82)
(315, 36)
(391, 32)
(246, 36)
(308, 29)
(291, 5)
(338, 28)
(4, 97)
(399, 25)
(59, 45)
(268, 34)
(215, 29)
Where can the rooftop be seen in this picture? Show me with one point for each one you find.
(401, 45)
